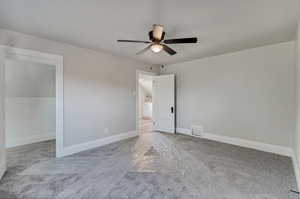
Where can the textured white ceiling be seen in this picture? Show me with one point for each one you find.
(221, 25)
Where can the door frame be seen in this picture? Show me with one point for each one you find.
(138, 73)
(51, 59)
(2, 127)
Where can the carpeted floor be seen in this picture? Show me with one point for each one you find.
(146, 126)
(153, 166)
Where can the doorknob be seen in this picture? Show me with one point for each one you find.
(172, 109)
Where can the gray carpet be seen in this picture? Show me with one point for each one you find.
(155, 165)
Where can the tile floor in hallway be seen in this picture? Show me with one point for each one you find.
(153, 166)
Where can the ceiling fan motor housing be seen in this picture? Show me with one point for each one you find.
(151, 37)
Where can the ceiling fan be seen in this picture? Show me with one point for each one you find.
(157, 42)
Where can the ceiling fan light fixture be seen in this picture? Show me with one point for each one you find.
(156, 48)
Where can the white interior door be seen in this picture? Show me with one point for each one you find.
(2, 133)
(164, 103)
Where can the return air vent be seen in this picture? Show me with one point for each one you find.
(197, 130)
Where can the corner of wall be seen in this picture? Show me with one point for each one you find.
(2, 170)
(296, 147)
(296, 169)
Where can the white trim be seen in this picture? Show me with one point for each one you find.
(281, 150)
(2, 117)
(30, 140)
(137, 74)
(276, 149)
(97, 143)
(2, 170)
(188, 132)
(296, 169)
(45, 58)
(59, 106)
(184, 131)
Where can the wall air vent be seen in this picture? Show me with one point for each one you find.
(197, 130)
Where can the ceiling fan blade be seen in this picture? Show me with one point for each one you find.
(181, 40)
(134, 41)
(144, 50)
(169, 50)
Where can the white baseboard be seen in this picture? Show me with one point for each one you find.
(281, 150)
(296, 169)
(2, 170)
(97, 143)
(184, 131)
(29, 140)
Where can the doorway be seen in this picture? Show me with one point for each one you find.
(145, 97)
(155, 102)
(29, 102)
(26, 98)
(19, 57)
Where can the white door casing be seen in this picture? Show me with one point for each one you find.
(2, 133)
(164, 103)
(37, 57)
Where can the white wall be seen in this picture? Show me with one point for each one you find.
(29, 102)
(28, 79)
(141, 100)
(29, 120)
(98, 88)
(248, 94)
